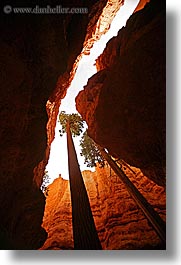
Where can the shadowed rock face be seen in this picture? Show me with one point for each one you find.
(35, 51)
(119, 222)
(126, 113)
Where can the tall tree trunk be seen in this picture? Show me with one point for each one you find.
(156, 221)
(84, 230)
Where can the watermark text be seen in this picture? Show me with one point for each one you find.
(45, 10)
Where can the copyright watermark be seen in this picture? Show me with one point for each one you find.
(45, 10)
(7, 9)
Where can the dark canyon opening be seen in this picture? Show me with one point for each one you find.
(123, 105)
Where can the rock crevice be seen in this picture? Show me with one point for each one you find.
(37, 51)
(128, 114)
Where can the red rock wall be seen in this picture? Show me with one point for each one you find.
(119, 221)
(124, 103)
(37, 56)
(101, 15)
(35, 51)
(58, 216)
(141, 5)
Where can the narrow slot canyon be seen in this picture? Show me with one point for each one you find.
(122, 103)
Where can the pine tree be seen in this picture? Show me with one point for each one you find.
(84, 230)
(75, 121)
(90, 151)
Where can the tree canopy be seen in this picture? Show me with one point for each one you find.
(75, 121)
(90, 151)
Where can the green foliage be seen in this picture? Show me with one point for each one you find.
(75, 121)
(90, 151)
(46, 181)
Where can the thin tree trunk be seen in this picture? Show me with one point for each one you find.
(123, 163)
(156, 221)
(84, 230)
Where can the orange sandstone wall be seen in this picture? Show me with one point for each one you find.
(119, 221)
(124, 103)
(37, 51)
(57, 216)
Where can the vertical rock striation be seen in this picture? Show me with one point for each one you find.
(37, 51)
(57, 219)
(37, 56)
(124, 103)
(119, 221)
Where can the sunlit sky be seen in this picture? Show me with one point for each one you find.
(58, 161)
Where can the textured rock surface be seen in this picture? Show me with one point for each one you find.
(35, 51)
(100, 17)
(100, 21)
(37, 54)
(58, 216)
(119, 221)
(124, 103)
(141, 5)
